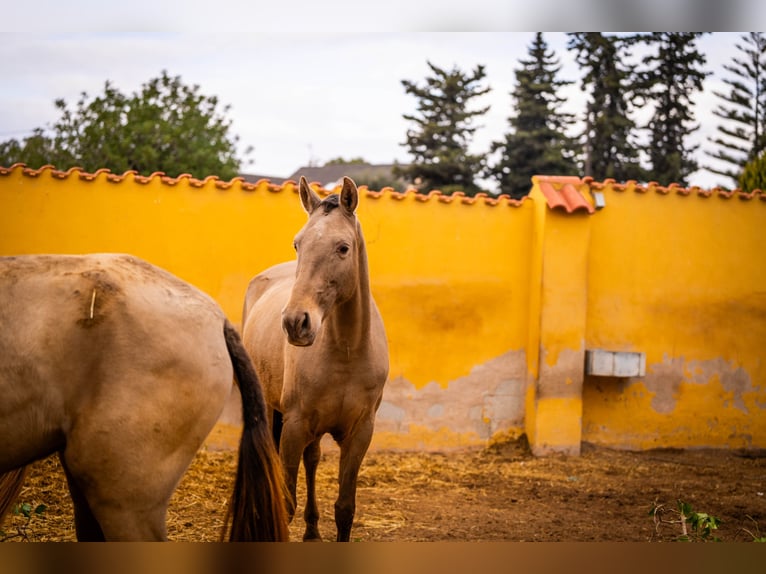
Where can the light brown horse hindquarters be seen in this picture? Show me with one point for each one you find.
(330, 378)
(123, 369)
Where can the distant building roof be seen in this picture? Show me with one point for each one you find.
(329, 176)
(362, 173)
(255, 177)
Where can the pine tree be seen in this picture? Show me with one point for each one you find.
(754, 175)
(669, 79)
(443, 131)
(742, 136)
(537, 143)
(608, 138)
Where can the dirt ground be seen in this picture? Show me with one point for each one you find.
(501, 493)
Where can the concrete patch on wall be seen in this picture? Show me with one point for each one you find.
(664, 380)
(490, 399)
(561, 373)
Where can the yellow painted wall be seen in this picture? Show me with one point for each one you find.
(681, 278)
(449, 275)
(451, 282)
(489, 306)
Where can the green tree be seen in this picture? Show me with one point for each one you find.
(537, 142)
(167, 126)
(609, 132)
(742, 136)
(669, 78)
(754, 175)
(443, 130)
(35, 151)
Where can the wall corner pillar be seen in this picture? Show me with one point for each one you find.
(557, 316)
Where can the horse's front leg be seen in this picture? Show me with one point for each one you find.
(291, 445)
(352, 451)
(311, 458)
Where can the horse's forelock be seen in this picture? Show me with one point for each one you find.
(330, 202)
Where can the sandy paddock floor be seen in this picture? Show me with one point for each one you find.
(501, 493)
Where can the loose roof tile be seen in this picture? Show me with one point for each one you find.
(561, 192)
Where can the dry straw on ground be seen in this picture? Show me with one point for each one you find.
(501, 493)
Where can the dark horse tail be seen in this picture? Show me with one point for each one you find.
(257, 508)
(10, 486)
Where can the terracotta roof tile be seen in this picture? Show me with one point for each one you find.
(654, 187)
(563, 193)
(568, 193)
(435, 195)
(438, 195)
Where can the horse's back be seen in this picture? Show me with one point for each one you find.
(262, 333)
(277, 280)
(105, 345)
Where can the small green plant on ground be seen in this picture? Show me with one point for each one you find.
(694, 526)
(27, 513)
(755, 533)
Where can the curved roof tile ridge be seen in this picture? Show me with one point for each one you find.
(673, 187)
(28, 171)
(563, 190)
(440, 196)
(691, 190)
(459, 196)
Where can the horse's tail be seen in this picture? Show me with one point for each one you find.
(10, 486)
(257, 508)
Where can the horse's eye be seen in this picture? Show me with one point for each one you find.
(343, 249)
(295, 246)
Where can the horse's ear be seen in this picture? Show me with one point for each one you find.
(349, 195)
(309, 199)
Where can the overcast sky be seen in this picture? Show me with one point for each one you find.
(296, 95)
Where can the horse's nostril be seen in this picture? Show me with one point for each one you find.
(305, 325)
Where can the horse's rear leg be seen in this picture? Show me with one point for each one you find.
(352, 451)
(311, 458)
(117, 502)
(85, 524)
(116, 521)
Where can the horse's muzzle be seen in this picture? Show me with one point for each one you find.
(298, 328)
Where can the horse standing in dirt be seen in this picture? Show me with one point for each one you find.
(327, 374)
(123, 369)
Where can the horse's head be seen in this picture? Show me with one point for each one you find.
(327, 272)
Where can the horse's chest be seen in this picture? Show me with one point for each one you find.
(339, 413)
(339, 386)
(333, 397)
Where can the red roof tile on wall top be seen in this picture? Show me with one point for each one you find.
(136, 177)
(563, 193)
(436, 195)
(655, 187)
(567, 193)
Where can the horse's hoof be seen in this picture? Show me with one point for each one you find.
(312, 536)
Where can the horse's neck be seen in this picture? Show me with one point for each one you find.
(350, 322)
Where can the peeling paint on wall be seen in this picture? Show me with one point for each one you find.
(488, 400)
(698, 403)
(562, 378)
(664, 381)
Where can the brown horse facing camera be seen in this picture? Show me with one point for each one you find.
(319, 348)
(123, 369)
